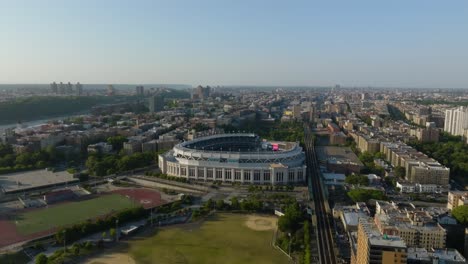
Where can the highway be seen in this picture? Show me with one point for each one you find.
(320, 204)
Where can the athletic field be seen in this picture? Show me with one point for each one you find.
(223, 238)
(63, 214)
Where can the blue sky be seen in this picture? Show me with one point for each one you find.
(227, 42)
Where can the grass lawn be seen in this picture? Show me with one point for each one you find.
(69, 213)
(224, 238)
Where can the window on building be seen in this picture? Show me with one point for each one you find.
(300, 176)
(257, 175)
(291, 176)
(266, 175)
(192, 172)
(228, 174)
(237, 175)
(183, 171)
(219, 173)
(201, 173)
(246, 175)
(279, 176)
(209, 173)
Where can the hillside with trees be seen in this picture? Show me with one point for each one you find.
(38, 107)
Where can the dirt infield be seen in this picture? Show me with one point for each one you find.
(147, 198)
(261, 223)
(112, 258)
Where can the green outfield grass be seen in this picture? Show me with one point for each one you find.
(223, 238)
(69, 213)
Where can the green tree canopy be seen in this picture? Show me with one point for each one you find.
(291, 219)
(357, 179)
(117, 142)
(364, 195)
(400, 172)
(41, 259)
(461, 214)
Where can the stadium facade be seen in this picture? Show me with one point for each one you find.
(237, 157)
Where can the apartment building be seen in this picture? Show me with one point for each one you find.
(417, 228)
(456, 121)
(373, 247)
(457, 198)
(429, 173)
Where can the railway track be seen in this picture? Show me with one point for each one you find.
(320, 204)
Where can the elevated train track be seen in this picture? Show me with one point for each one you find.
(321, 210)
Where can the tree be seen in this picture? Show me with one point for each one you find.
(117, 142)
(364, 195)
(41, 259)
(196, 213)
(400, 172)
(291, 219)
(235, 203)
(76, 249)
(379, 155)
(219, 204)
(461, 214)
(366, 157)
(201, 127)
(5, 149)
(112, 233)
(357, 179)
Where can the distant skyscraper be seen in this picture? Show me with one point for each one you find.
(79, 88)
(53, 87)
(69, 88)
(110, 90)
(61, 88)
(140, 90)
(156, 103)
(297, 111)
(364, 96)
(201, 92)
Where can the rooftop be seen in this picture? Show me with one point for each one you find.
(27, 180)
(337, 155)
(376, 238)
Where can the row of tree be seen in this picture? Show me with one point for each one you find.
(295, 232)
(64, 255)
(282, 131)
(12, 162)
(364, 195)
(78, 231)
(451, 151)
(357, 179)
(106, 164)
(367, 159)
(45, 106)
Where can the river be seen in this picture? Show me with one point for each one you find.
(39, 121)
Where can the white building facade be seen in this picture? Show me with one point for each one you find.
(245, 159)
(456, 121)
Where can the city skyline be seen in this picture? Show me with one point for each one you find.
(259, 43)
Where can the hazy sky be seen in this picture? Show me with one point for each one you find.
(408, 43)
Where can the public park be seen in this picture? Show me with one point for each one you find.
(220, 238)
